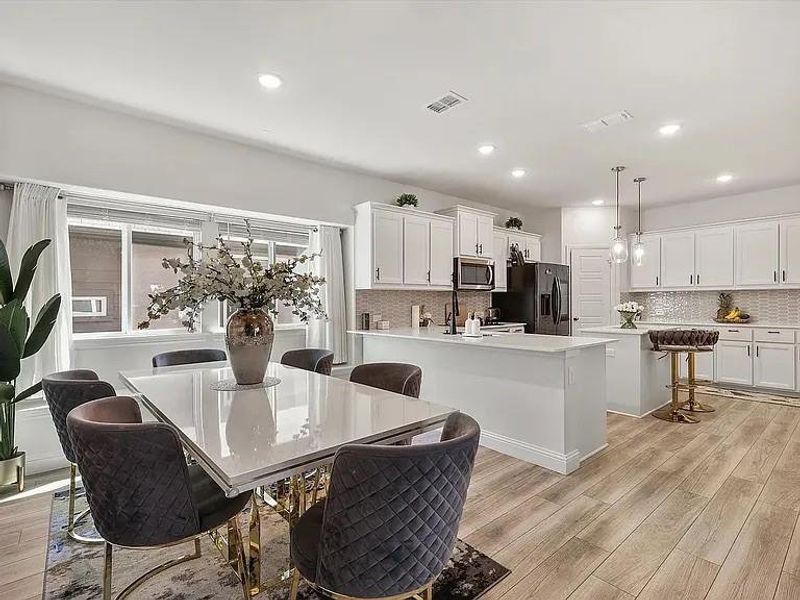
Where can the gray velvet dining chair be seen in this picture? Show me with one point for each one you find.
(400, 378)
(390, 521)
(140, 489)
(318, 360)
(63, 391)
(187, 357)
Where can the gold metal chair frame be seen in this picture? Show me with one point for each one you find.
(673, 413)
(72, 519)
(423, 593)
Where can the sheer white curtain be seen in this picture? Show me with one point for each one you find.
(329, 333)
(38, 213)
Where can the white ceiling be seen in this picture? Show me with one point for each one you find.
(357, 78)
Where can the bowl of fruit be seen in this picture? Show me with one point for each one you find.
(728, 313)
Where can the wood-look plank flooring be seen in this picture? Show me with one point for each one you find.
(665, 512)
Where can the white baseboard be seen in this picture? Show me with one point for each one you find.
(555, 461)
(649, 412)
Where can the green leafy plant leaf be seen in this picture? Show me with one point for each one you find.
(6, 283)
(27, 268)
(27, 393)
(9, 357)
(45, 321)
(6, 392)
(14, 320)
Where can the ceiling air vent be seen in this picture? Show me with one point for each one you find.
(450, 100)
(607, 121)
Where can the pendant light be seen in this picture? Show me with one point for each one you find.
(637, 250)
(619, 246)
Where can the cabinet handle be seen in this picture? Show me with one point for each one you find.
(775, 276)
(476, 248)
(775, 332)
(698, 279)
(783, 274)
(656, 279)
(429, 276)
(378, 273)
(691, 279)
(733, 331)
(481, 248)
(748, 349)
(757, 351)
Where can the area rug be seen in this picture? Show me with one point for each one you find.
(74, 571)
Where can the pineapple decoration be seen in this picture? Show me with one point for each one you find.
(727, 313)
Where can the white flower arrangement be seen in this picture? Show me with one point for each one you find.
(213, 273)
(629, 307)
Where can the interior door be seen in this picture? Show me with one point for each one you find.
(677, 259)
(648, 274)
(500, 261)
(590, 273)
(387, 248)
(756, 254)
(467, 234)
(416, 250)
(441, 253)
(790, 252)
(714, 257)
(485, 237)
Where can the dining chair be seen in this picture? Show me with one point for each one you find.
(318, 360)
(400, 378)
(141, 491)
(187, 357)
(63, 391)
(389, 523)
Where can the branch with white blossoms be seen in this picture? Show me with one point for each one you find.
(214, 273)
(630, 307)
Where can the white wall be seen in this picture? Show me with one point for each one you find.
(765, 203)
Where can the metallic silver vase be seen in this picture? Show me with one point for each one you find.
(248, 336)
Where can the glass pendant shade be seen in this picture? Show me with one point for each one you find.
(637, 252)
(619, 249)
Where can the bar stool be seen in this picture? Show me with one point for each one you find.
(676, 342)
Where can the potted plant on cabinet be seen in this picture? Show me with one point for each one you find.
(16, 344)
(514, 223)
(407, 200)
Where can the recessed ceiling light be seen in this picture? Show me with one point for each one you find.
(518, 173)
(724, 177)
(486, 149)
(668, 130)
(270, 81)
(597, 202)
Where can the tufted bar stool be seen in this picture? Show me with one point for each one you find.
(63, 391)
(676, 342)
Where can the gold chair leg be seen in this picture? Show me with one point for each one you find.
(149, 574)
(295, 585)
(107, 567)
(427, 593)
(237, 557)
(72, 519)
(693, 405)
(254, 543)
(673, 413)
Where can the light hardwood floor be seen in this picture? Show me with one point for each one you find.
(666, 512)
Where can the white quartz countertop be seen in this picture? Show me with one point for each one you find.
(641, 329)
(714, 324)
(546, 344)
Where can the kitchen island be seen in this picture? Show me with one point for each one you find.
(539, 398)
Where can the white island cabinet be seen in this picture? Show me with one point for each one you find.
(538, 398)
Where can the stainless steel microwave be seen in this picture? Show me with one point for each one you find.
(473, 273)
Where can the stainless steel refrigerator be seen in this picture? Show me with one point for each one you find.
(538, 295)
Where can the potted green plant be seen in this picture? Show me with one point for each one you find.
(407, 200)
(514, 223)
(18, 340)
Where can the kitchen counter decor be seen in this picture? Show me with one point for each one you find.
(727, 313)
(628, 311)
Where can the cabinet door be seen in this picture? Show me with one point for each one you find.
(677, 259)
(733, 362)
(387, 248)
(500, 248)
(703, 366)
(648, 274)
(468, 234)
(756, 254)
(485, 237)
(533, 249)
(416, 250)
(773, 366)
(515, 239)
(714, 257)
(790, 252)
(442, 253)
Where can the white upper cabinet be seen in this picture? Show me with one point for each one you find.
(756, 254)
(474, 231)
(790, 252)
(533, 249)
(677, 260)
(416, 250)
(500, 248)
(648, 274)
(714, 257)
(387, 247)
(441, 253)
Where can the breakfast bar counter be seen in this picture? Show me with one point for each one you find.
(538, 398)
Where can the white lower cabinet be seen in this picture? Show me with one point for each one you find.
(704, 366)
(774, 366)
(733, 362)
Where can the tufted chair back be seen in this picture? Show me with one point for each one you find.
(65, 390)
(135, 474)
(188, 357)
(400, 378)
(319, 360)
(392, 513)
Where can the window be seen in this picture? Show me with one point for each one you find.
(115, 265)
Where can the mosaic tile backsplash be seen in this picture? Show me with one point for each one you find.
(395, 306)
(779, 307)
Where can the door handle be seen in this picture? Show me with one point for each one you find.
(575, 318)
(378, 273)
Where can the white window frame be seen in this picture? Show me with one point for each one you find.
(99, 306)
(126, 232)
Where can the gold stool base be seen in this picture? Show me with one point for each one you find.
(675, 417)
(697, 407)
